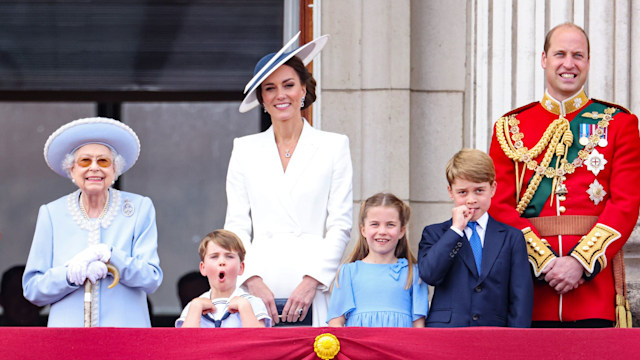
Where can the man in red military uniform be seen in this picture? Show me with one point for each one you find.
(567, 169)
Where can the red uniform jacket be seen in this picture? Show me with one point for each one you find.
(613, 200)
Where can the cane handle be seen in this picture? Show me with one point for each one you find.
(116, 275)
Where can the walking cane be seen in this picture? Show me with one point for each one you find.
(87, 293)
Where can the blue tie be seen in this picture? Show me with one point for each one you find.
(476, 245)
(217, 323)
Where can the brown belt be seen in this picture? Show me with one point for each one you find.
(564, 225)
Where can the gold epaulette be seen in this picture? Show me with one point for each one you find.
(590, 250)
(539, 252)
(521, 109)
(610, 104)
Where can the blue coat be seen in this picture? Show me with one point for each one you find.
(129, 228)
(501, 296)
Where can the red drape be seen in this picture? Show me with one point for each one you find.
(297, 343)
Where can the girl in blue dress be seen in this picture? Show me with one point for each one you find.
(380, 286)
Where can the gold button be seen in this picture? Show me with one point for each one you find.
(590, 243)
(594, 239)
(541, 252)
(562, 198)
(533, 245)
(537, 248)
(585, 248)
(562, 209)
(597, 234)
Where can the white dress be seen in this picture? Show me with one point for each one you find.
(292, 223)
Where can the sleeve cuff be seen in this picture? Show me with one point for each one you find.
(457, 231)
(540, 254)
(590, 250)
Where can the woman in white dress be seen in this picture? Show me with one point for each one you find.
(289, 192)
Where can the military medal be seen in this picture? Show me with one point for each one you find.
(584, 134)
(596, 192)
(603, 137)
(588, 130)
(595, 162)
(597, 133)
(557, 138)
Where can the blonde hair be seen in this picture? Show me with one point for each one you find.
(472, 165)
(361, 249)
(224, 238)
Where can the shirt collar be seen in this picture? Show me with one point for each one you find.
(567, 106)
(483, 220)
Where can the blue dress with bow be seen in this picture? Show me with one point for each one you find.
(374, 295)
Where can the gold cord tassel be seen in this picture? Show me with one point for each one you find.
(628, 310)
(621, 312)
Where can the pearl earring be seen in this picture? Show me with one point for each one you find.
(264, 109)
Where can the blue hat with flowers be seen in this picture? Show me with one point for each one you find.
(271, 62)
(96, 130)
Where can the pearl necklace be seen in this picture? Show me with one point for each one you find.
(104, 209)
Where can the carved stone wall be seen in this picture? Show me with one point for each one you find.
(632, 263)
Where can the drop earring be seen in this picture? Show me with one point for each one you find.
(302, 103)
(264, 109)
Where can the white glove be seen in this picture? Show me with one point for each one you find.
(77, 266)
(101, 251)
(96, 270)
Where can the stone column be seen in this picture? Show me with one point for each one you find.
(439, 75)
(365, 69)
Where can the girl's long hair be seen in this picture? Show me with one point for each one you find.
(361, 249)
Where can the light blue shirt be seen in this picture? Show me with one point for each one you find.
(128, 227)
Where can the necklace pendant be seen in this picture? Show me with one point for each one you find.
(287, 154)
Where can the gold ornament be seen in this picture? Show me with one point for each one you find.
(326, 346)
(557, 140)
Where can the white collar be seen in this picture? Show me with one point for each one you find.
(483, 220)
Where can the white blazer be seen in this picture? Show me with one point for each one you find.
(292, 223)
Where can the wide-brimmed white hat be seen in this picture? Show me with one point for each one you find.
(271, 62)
(95, 130)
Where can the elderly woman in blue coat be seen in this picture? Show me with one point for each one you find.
(78, 234)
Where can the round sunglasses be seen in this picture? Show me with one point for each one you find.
(87, 161)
